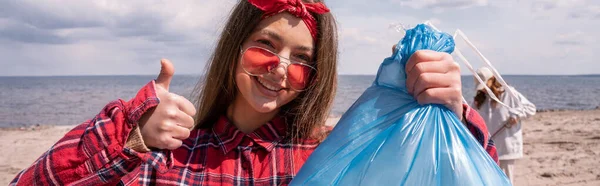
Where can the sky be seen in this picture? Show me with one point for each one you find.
(111, 37)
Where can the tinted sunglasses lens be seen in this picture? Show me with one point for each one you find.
(299, 76)
(259, 61)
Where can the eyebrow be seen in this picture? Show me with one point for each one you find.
(278, 38)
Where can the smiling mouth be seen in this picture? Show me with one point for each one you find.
(267, 85)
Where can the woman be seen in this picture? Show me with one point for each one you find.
(260, 112)
(503, 123)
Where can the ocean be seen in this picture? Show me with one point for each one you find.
(68, 100)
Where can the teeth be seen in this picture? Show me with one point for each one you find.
(267, 85)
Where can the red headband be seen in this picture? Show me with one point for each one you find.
(294, 7)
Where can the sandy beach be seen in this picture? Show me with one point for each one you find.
(561, 148)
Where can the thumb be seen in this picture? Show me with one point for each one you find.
(166, 74)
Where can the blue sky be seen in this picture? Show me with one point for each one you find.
(72, 37)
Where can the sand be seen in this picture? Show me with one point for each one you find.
(561, 148)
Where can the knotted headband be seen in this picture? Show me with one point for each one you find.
(294, 7)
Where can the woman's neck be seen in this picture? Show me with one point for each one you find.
(245, 117)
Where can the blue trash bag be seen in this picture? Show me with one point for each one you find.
(387, 138)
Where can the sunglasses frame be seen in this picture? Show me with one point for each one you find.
(287, 63)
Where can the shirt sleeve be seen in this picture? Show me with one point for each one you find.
(477, 127)
(524, 107)
(95, 152)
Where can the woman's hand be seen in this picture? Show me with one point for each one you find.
(166, 125)
(434, 78)
(512, 121)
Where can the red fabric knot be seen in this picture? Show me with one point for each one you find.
(295, 7)
(298, 9)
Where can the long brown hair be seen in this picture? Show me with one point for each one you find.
(482, 95)
(217, 90)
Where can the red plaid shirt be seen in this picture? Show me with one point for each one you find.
(94, 153)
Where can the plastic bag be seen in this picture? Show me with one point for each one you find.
(387, 138)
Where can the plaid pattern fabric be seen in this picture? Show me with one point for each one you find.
(478, 128)
(94, 153)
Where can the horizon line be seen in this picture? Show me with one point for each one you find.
(105, 75)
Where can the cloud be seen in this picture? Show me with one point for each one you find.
(586, 12)
(162, 21)
(435, 21)
(575, 38)
(441, 4)
(567, 42)
(576, 47)
(570, 9)
(355, 35)
(551, 4)
(542, 6)
(18, 31)
(72, 37)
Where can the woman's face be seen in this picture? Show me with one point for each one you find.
(287, 36)
(490, 82)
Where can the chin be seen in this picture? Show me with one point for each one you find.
(265, 107)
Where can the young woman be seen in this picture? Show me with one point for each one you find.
(260, 111)
(504, 126)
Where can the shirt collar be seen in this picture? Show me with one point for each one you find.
(266, 136)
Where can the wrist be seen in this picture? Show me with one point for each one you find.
(135, 141)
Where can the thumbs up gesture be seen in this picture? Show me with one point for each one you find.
(166, 125)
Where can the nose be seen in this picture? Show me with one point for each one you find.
(280, 70)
